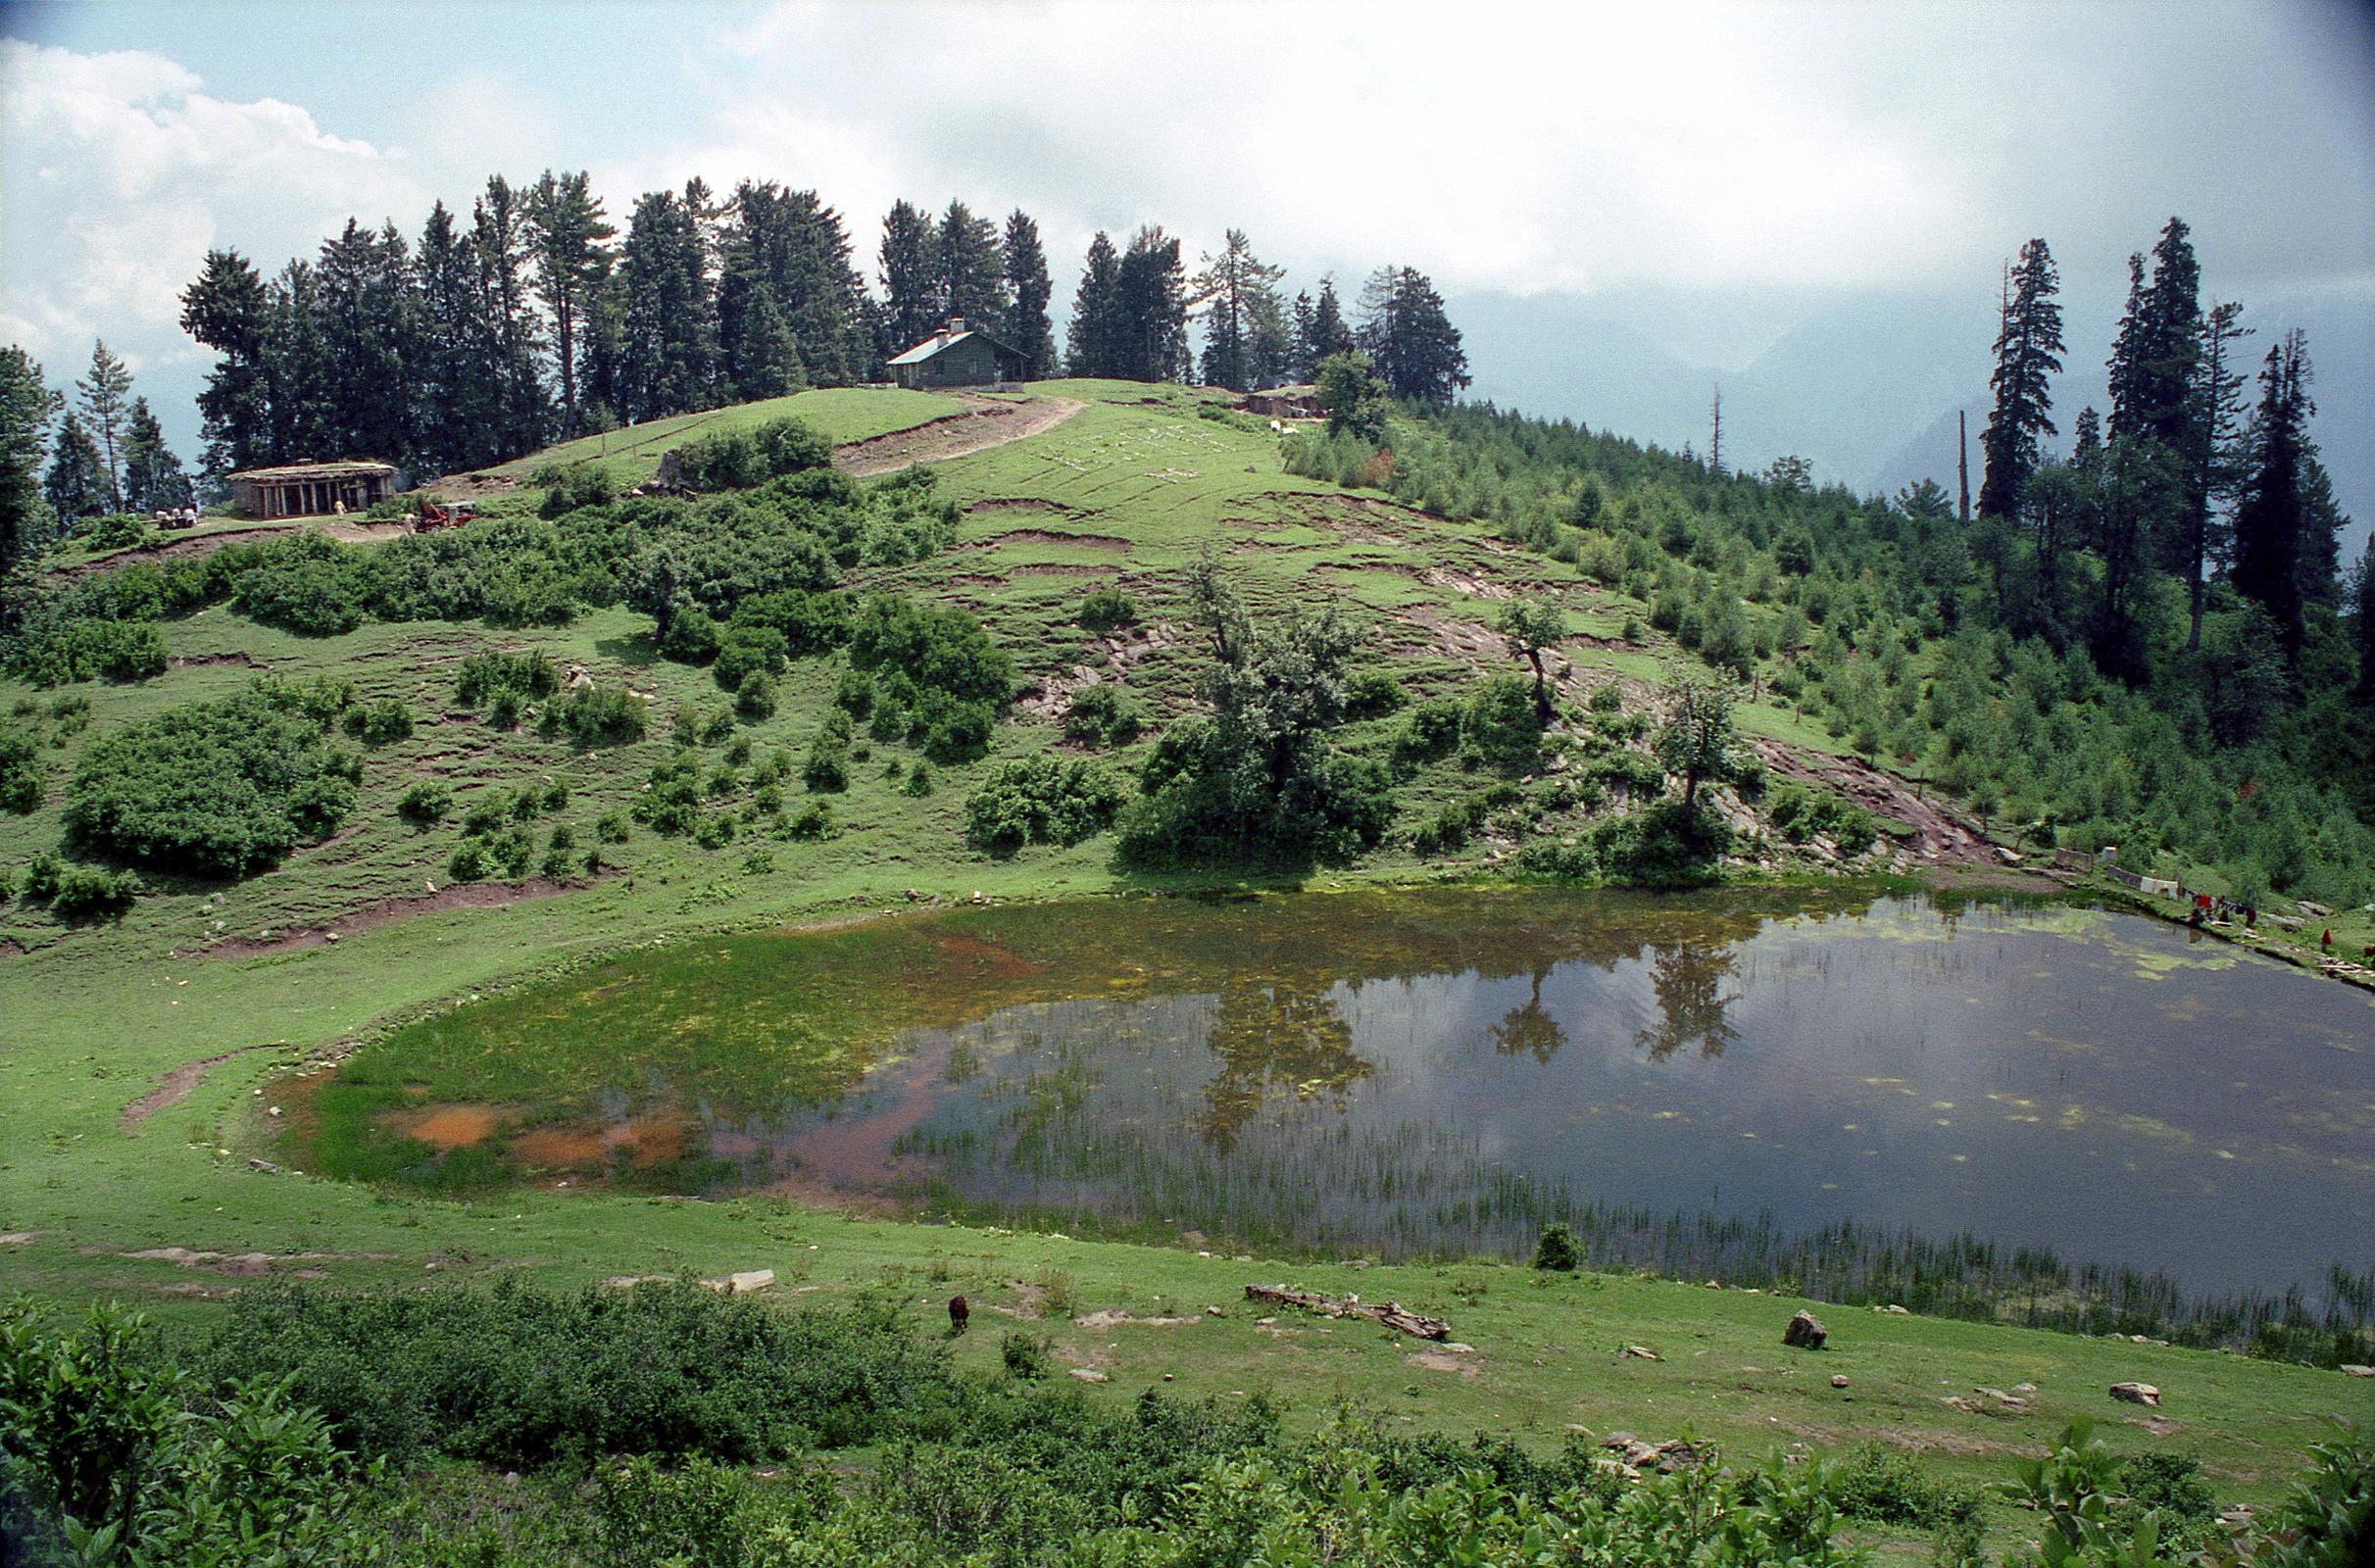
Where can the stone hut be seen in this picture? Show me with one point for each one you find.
(312, 489)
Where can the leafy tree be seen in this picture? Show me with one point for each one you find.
(26, 408)
(1531, 625)
(153, 478)
(1093, 342)
(103, 398)
(1241, 316)
(570, 235)
(1405, 330)
(1697, 739)
(77, 485)
(225, 309)
(2271, 521)
(2028, 349)
(1026, 327)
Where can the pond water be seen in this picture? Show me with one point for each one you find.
(1438, 1072)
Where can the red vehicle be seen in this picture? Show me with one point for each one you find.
(433, 517)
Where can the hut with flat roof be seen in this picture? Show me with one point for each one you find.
(312, 489)
(957, 356)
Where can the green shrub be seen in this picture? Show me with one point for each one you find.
(613, 828)
(827, 769)
(1025, 1356)
(306, 584)
(594, 716)
(214, 789)
(813, 820)
(755, 698)
(808, 622)
(744, 650)
(1040, 800)
(1559, 1249)
(1098, 716)
(1105, 609)
(1890, 1486)
(1373, 694)
(1430, 732)
(380, 724)
(573, 485)
(22, 774)
(1499, 728)
(740, 460)
(425, 802)
(526, 676)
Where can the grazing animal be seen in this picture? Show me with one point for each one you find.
(958, 1313)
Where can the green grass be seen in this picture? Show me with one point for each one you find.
(842, 413)
(1127, 493)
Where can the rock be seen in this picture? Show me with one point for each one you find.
(1639, 1352)
(2317, 909)
(2137, 1393)
(1213, 1311)
(2359, 1371)
(1089, 1374)
(1838, 1379)
(1806, 1332)
(264, 1165)
(743, 1283)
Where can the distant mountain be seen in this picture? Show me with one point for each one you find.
(1863, 387)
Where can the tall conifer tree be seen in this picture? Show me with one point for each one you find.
(77, 483)
(1241, 294)
(1092, 344)
(571, 239)
(26, 408)
(968, 277)
(2028, 350)
(1028, 329)
(104, 397)
(2270, 523)
(910, 265)
(153, 477)
(226, 310)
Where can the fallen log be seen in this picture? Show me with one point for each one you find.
(1391, 1314)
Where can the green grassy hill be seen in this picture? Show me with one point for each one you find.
(841, 413)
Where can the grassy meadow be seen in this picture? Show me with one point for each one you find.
(262, 979)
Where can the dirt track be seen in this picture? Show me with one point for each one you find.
(985, 423)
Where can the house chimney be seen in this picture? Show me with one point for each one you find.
(955, 328)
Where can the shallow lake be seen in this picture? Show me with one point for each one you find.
(1437, 1072)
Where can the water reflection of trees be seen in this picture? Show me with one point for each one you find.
(1529, 1030)
(1689, 978)
(1272, 1040)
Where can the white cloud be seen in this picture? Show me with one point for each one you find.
(121, 171)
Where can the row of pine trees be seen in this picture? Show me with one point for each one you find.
(534, 320)
(2188, 480)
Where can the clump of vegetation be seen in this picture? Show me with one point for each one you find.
(79, 892)
(1097, 716)
(219, 789)
(740, 460)
(524, 676)
(1559, 1248)
(425, 802)
(572, 485)
(1500, 727)
(1106, 609)
(1799, 812)
(927, 675)
(21, 776)
(1373, 694)
(826, 768)
(380, 724)
(597, 715)
(1040, 800)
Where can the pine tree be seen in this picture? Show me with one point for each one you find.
(670, 362)
(153, 477)
(2154, 360)
(296, 367)
(1151, 295)
(456, 386)
(2131, 482)
(103, 398)
(2086, 440)
(369, 330)
(77, 485)
(1323, 335)
(968, 271)
(1092, 344)
(2321, 529)
(26, 408)
(570, 239)
(2216, 458)
(1270, 342)
(505, 243)
(1415, 345)
(2363, 605)
(226, 311)
(2028, 349)
(2270, 523)
(910, 265)
(790, 246)
(1028, 329)
(767, 362)
(1239, 292)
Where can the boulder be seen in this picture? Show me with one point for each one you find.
(2359, 1371)
(1838, 1380)
(2137, 1393)
(1640, 1352)
(1806, 1332)
(1088, 1374)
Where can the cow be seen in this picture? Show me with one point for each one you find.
(958, 1313)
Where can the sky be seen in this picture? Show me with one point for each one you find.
(1715, 177)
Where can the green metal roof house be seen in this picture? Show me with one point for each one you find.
(956, 356)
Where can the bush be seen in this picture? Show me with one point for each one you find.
(1500, 729)
(306, 584)
(744, 650)
(1373, 694)
(425, 802)
(380, 724)
(1889, 1485)
(1040, 800)
(1663, 846)
(594, 716)
(1025, 1357)
(519, 1376)
(827, 769)
(1105, 609)
(573, 486)
(1559, 1249)
(214, 789)
(20, 772)
(527, 677)
(808, 622)
(1098, 716)
(813, 820)
(80, 893)
(1428, 734)
(60, 653)
(755, 698)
